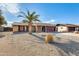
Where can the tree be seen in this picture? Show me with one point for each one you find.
(2, 19)
(29, 18)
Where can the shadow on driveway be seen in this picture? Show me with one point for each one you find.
(1, 36)
(71, 48)
(35, 35)
(19, 33)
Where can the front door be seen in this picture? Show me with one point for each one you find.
(43, 29)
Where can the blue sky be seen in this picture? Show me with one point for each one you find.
(49, 12)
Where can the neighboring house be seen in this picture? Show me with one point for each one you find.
(36, 27)
(1, 29)
(8, 29)
(62, 29)
(67, 27)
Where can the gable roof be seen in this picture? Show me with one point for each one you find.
(68, 25)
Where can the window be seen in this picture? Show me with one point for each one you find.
(61, 27)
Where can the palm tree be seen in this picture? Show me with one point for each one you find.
(2, 19)
(29, 18)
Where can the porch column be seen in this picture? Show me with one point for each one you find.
(41, 29)
(45, 29)
(76, 29)
(15, 29)
(36, 28)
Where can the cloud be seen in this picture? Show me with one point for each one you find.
(10, 7)
(50, 21)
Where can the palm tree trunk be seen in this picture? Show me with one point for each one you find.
(30, 28)
(0, 31)
(36, 29)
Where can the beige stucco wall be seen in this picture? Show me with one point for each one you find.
(26, 28)
(36, 28)
(15, 28)
(62, 29)
(33, 28)
(39, 29)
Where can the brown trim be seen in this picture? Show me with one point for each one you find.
(18, 28)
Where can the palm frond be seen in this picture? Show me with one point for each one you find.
(37, 20)
(20, 16)
(23, 13)
(25, 21)
(36, 16)
(28, 13)
(27, 17)
(33, 13)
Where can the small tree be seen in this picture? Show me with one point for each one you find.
(2, 19)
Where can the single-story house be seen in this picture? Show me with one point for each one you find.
(36, 27)
(44, 27)
(2, 29)
(67, 27)
(7, 29)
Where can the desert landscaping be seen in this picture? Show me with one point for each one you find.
(25, 44)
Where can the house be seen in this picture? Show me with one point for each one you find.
(44, 27)
(67, 27)
(1, 29)
(4, 29)
(7, 29)
(36, 27)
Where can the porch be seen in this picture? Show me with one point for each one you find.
(22, 28)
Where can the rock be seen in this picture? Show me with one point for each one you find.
(77, 32)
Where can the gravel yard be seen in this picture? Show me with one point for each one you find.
(24, 44)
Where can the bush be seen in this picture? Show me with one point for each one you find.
(77, 32)
(49, 38)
